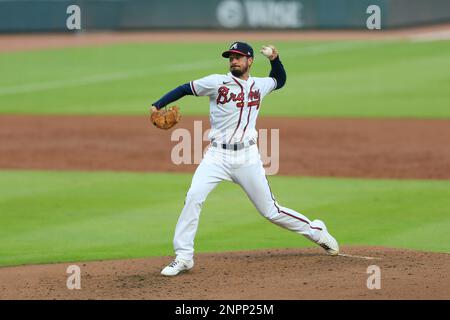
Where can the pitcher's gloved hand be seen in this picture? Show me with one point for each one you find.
(269, 51)
(165, 118)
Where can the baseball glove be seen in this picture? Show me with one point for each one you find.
(165, 118)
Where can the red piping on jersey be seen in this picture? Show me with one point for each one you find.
(249, 111)
(193, 89)
(240, 113)
(286, 213)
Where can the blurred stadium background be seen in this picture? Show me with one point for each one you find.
(48, 15)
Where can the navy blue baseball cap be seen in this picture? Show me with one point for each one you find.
(241, 48)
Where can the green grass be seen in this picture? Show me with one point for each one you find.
(325, 79)
(49, 216)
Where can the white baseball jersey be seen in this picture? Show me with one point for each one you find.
(234, 104)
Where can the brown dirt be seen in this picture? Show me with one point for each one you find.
(23, 42)
(264, 274)
(311, 147)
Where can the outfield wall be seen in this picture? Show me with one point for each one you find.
(51, 15)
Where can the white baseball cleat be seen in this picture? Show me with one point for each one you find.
(177, 266)
(326, 240)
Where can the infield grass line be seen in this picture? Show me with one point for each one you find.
(100, 78)
(346, 79)
(57, 216)
(174, 68)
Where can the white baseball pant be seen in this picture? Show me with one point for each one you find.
(245, 168)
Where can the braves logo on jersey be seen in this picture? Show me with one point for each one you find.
(224, 96)
(234, 104)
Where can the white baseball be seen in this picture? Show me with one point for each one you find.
(267, 51)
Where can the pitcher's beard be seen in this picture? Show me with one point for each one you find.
(237, 72)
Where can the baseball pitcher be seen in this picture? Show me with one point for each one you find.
(234, 102)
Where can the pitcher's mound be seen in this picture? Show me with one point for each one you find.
(263, 274)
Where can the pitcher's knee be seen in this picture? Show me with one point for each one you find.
(269, 212)
(195, 196)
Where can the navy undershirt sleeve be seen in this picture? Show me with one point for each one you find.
(175, 94)
(277, 72)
